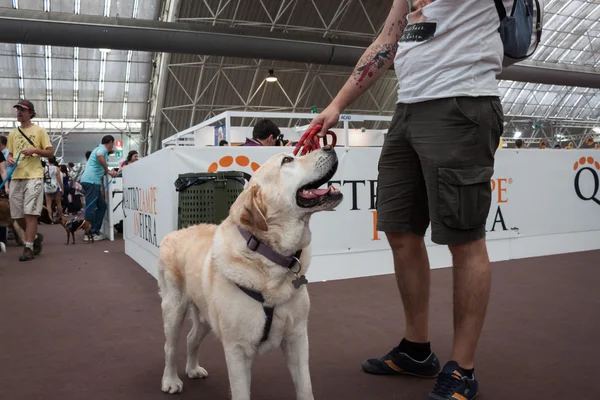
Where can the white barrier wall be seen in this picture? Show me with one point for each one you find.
(237, 134)
(538, 208)
(113, 196)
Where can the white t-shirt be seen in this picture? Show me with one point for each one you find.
(449, 48)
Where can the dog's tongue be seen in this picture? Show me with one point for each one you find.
(312, 193)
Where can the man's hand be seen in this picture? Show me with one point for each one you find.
(29, 151)
(113, 173)
(373, 64)
(11, 161)
(327, 119)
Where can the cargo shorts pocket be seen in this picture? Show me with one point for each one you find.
(464, 196)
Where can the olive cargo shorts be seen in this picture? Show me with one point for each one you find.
(436, 164)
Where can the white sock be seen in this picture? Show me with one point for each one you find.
(30, 245)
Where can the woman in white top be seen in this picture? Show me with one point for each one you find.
(53, 187)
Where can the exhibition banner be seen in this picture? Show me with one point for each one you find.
(352, 226)
(149, 201)
(534, 193)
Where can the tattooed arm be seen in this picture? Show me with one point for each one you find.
(374, 62)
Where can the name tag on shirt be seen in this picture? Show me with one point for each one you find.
(419, 32)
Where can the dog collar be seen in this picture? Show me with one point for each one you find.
(256, 245)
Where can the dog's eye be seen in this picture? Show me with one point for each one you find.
(286, 160)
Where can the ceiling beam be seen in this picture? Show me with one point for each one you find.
(71, 30)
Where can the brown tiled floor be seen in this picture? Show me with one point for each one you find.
(81, 323)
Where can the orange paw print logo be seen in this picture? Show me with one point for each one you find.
(586, 161)
(228, 161)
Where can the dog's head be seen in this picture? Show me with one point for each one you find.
(64, 221)
(286, 188)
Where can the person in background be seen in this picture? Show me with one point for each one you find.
(53, 188)
(4, 150)
(91, 181)
(132, 157)
(3, 175)
(31, 142)
(265, 133)
(66, 185)
(519, 144)
(543, 145)
(80, 169)
(3, 144)
(72, 172)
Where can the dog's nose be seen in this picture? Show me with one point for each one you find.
(327, 148)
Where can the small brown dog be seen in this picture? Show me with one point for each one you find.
(73, 225)
(7, 221)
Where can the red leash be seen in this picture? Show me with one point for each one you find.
(310, 142)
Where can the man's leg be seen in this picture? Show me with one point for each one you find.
(32, 208)
(472, 281)
(100, 211)
(458, 139)
(2, 239)
(411, 265)
(90, 192)
(402, 213)
(17, 205)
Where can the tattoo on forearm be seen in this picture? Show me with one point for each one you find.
(391, 29)
(375, 60)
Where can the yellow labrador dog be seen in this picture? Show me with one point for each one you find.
(244, 279)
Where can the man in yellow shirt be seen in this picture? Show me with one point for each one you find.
(31, 142)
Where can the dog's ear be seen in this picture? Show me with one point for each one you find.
(255, 210)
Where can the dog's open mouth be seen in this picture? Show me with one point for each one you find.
(310, 195)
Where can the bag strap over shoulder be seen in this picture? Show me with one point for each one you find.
(501, 9)
(25, 136)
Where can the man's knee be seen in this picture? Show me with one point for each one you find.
(463, 252)
(404, 240)
(21, 222)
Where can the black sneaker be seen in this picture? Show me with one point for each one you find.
(37, 244)
(452, 384)
(397, 363)
(27, 255)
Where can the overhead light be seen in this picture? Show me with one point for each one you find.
(597, 130)
(271, 77)
(104, 51)
(518, 134)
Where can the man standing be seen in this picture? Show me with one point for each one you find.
(435, 166)
(91, 181)
(26, 188)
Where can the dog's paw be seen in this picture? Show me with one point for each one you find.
(197, 373)
(172, 385)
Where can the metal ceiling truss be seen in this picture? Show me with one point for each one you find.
(280, 20)
(553, 131)
(520, 100)
(571, 43)
(312, 76)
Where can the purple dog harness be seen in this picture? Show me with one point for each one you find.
(288, 262)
